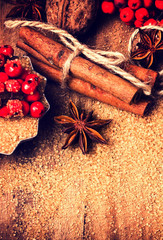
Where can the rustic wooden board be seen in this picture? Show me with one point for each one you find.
(113, 192)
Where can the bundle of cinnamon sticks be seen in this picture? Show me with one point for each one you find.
(48, 57)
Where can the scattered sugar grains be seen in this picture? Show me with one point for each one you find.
(112, 192)
(15, 130)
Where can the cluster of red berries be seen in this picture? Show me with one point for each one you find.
(21, 84)
(136, 13)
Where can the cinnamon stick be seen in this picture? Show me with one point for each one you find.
(78, 85)
(145, 75)
(80, 67)
(33, 52)
(90, 90)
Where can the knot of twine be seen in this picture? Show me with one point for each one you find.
(130, 48)
(108, 59)
(67, 65)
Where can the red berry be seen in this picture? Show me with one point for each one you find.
(4, 112)
(13, 85)
(2, 87)
(2, 60)
(142, 14)
(159, 4)
(25, 107)
(127, 15)
(138, 23)
(108, 7)
(120, 3)
(3, 77)
(134, 4)
(33, 78)
(33, 97)
(28, 87)
(147, 3)
(37, 109)
(15, 107)
(13, 68)
(150, 21)
(7, 50)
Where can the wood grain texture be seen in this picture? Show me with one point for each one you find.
(112, 193)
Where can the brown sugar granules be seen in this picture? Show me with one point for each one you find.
(12, 131)
(114, 192)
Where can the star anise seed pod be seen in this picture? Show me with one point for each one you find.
(28, 9)
(81, 127)
(147, 47)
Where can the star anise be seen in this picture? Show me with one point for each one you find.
(150, 43)
(28, 9)
(81, 128)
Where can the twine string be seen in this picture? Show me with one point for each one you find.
(110, 60)
(160, 93)
(66, 67)
(137, 31)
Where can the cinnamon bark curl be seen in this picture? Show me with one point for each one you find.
(44, 52)
(81, 68)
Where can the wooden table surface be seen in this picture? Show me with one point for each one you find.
(114, 192)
